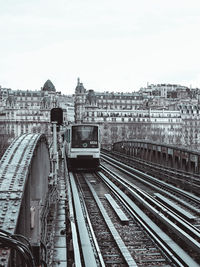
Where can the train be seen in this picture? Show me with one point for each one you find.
(82, 146)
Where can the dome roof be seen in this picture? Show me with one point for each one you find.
(48, 86)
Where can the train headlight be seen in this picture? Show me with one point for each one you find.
(85, 145)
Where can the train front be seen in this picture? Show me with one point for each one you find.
(85, 147)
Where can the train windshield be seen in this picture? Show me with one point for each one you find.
(84, 136)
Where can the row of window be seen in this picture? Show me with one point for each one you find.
(28, 98)
(118, 107)
(156, 115)
(123, 97)
(24, 118)
(121, 119)
(121, 101)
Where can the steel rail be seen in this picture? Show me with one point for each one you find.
(154, 164)
(174, 251)
(122, 247)
(91, 229)
(150, 180)
(182, 176)
(187, 195)
(86, 246)
(77, 253)
(190, 233)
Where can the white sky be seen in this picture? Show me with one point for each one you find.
(112, 45)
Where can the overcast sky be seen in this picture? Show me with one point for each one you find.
(112, 45)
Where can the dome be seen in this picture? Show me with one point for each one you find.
(48, 86)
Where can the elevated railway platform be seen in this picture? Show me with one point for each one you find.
(38, 218)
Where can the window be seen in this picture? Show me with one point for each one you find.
(84, 136)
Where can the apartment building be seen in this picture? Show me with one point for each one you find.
(26, 111)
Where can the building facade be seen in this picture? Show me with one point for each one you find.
(162, 113)
(150, 114)
(29, 111)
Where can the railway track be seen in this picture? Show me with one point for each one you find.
(112, 247)
(115, 242)
(185, 180)
(185, 200)
(186, 220)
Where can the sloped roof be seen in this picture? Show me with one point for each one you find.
(48, 86)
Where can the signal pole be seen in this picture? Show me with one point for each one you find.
(56, 120)
(55, 153)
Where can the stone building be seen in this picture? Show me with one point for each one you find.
(29, 111)
(165, 90)
(163, 113)
(137, 115)
(87, 101)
